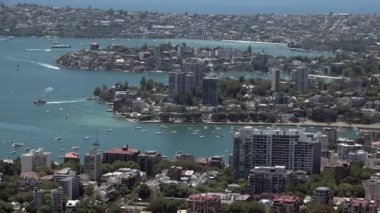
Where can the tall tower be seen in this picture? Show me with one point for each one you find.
(92, 164)
(301, 80)
(210, 91)
(275, 79)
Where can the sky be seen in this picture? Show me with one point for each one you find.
(222, 6)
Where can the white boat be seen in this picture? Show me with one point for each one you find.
(195, 133)
(202, 136)
(17, 144)
(109, 130)
(87, 138)
(62, 150)
(75, 147)
(144, 130)
(173, 131)
(138, 127)
(58, 138)
(14, 152)
(158, 133)
(27, 149)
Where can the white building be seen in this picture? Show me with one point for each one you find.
(344, 148)
(34, 159)
(293, 148)
(92, 164)
(372, 187)
(359, 155)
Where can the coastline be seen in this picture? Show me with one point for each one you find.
(375, 126)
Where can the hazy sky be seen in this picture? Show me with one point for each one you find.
(223, 6)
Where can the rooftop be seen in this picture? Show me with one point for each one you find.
(124, 150)
(71, 155)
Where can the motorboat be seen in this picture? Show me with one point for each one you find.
(75, 147)
(40, 102)
(17, 144)
(58, 138)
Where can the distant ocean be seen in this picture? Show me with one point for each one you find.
(222, 6)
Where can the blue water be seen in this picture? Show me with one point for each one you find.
(223, 6)
(37, 126)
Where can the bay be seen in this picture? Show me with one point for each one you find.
(66, 92)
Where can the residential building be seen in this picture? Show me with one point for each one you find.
(120, 154)
(322, 195)
(38, 198)
(292, 148)
(28, 181)
(372, 187)
(343, 149)
(195, 66)
(339, 169)
(92, 164)
(275, 79)
(203, 203)
(359, 205)
(148, 160)
(57, 199)
(265, 179)
(72, 157)
(301, 80)
(70, 186)
(210, 91)
(34, 159)
(286, 204)
(332, 135)
(177, 83)
(359, 155)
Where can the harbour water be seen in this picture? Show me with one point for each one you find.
(28, 72)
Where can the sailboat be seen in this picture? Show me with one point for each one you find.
(96, 143)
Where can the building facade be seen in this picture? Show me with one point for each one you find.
(120, 154)
(210, 91)
(92, 164)
(148, 160)
(275, 79)
(34, 159)
(292, 148)
(301, 75)
(264, 179)
(322, 195)
(203, 203)
(372, 187)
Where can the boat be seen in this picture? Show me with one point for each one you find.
(40, 102)
(158, 133)
(173, 131)
(87, 138)
(96, 143)
(17, 144)
(62, 150)
(138, 127)
(144, 130)
(58, 138)
(75, 147)
(60, 46)
(14, 152)
(27, 149)
(109, 130)
(202, 136)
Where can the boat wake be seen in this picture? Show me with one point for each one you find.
(45, 50)
(65, 102)
(35, 62)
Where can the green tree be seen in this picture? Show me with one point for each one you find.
(245, 206)
(144, 191)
